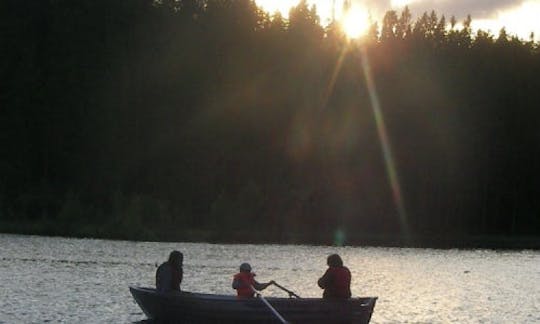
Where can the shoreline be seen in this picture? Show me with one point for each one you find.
(492, 242)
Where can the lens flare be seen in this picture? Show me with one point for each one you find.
(339, 237)
(333, 78)
(390, 166)
(385, 142)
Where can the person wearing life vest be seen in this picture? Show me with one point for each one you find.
(169, 274)
(244, 282)
(336, 281)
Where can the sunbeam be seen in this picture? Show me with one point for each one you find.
(333, 78)
(390, 166)
(385, 143)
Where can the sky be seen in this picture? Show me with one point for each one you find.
(520, 17)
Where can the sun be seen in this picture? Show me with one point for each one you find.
(355, 22)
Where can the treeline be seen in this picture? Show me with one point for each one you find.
(213, 120)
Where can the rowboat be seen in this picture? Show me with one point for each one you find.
(189, 307)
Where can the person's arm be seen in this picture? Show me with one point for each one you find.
(236, 283)
(164, 278)
(262, 286)
(159, 280)
(176, 278)
(325, 280)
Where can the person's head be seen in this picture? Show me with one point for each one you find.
(334, 260)
(245, 267)
(176, 258)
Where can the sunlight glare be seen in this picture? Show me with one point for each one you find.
(325, 8)
(355, 22)
(400, 3)
(273, 6)
(520, 21)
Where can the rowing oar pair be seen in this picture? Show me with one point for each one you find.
(274, 311)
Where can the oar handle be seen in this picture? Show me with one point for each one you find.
(286, 290)
(272, 309)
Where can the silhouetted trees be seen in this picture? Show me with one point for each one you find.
(215, 120)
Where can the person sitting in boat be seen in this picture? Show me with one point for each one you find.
(336, 281)
(244, 282)
(170, 273)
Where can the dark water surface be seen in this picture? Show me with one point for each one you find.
(46, 279)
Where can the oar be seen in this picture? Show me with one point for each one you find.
(286, 290)
(274, 311)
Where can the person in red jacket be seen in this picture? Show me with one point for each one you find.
(244, 282)
(336, 281)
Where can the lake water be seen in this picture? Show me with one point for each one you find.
(46, 279)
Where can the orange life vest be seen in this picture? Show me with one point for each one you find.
(246, 280)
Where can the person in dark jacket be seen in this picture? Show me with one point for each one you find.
(336, 281)
(245, 280)
(170, 273)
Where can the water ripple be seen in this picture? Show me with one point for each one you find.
(47, 279)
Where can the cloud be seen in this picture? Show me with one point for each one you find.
(478, 9)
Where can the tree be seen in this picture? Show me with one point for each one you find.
(389, 26)
(403, 28)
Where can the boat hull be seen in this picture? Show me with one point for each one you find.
(186, 307)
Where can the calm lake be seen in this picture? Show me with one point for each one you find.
(48, 279)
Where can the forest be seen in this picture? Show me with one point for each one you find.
(212, 120)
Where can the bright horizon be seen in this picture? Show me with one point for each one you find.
(518, 17)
